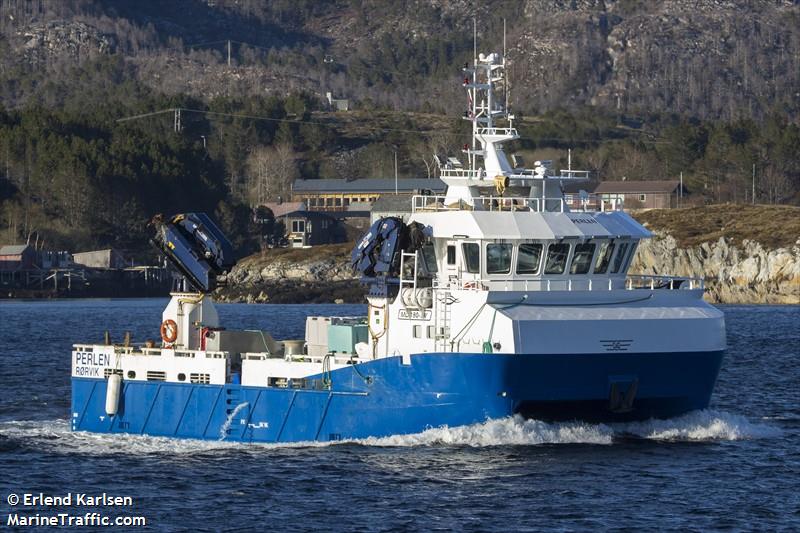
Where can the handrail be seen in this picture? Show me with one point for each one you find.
(497, 131)
(523, 174)
(572, 283)
(574, 174)
(486, 203)
(429, 203)
(461, 173)
(142, 349)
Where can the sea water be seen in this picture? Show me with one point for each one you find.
(733, 466)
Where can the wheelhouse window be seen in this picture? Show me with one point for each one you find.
(429, 258)
(556, 258)
(630, 257)
(529, 256)
(621, 253)
(582, 258)
(604, 257)
(498, 258)
(472, 256)
(451, 254)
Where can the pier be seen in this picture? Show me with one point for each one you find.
(85, 282)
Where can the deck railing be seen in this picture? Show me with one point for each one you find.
(142, 349)
(573, 284)
(463, 173)
(519, 174)
(593, 203)
(505, 132)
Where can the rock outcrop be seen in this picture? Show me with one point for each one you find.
(72, 38)
(734, 274)
(312, 269)
(319, 274)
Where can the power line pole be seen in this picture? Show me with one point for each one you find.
(177, 120)
(395, 172)
(753, 195)
(229, 52)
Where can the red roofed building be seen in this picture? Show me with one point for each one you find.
(642, 194)
(17, 257)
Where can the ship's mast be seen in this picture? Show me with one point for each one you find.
(486, 75)
(488, 169)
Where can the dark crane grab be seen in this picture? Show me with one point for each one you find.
(196, 247)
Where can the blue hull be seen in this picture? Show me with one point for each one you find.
(386, 397)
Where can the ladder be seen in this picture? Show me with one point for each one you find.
(404, 258)
(442, 321)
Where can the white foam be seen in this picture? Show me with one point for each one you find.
(223, 431)
(706, 425)
(503, 432)
(697, 426)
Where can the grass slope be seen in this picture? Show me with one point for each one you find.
(771, 225)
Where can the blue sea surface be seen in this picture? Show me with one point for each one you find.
(735, 466)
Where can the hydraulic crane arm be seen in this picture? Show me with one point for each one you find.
(194, 245)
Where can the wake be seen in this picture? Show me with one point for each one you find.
(698, 426)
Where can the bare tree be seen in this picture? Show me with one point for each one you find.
(270, 172)
(442, 144)
(774, 185)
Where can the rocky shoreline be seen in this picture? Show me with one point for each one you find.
(321, 274)
(289, 291)
(744, 274)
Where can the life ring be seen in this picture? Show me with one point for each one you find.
(169, 331)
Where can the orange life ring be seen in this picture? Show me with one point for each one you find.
(169, 331)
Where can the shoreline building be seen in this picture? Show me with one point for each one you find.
(656, 194)
(359, 194)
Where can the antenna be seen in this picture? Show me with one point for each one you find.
(475, 40)
(505, 74)
(472, 157)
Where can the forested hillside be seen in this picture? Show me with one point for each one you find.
(711, 59)
(642, 90)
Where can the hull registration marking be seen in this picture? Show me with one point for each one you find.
(414, 314)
